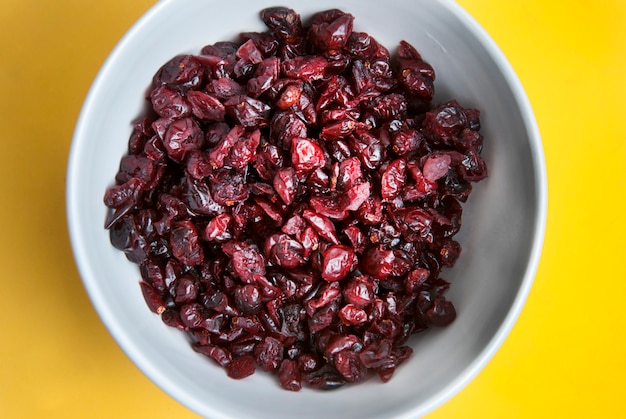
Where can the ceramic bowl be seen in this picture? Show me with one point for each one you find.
(503, 221)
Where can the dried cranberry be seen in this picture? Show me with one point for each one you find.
(289, 375)
(292, 197)
(306, 155)
(182, 72)
(185, 243)
(182, 137)
(241, 367)
(337, 262)
(206, 107)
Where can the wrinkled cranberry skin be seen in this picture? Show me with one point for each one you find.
(185, 243)
(337, 262)
(241, 367)
(292, 197)
(181, 138)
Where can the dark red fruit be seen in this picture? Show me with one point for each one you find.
(241, 367)
(292, 197)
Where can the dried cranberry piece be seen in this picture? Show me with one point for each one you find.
(152, 272)
(289, 376)
(363, 46)
(285, 251)
(217, 228)
(289, 96)
(359, 292)
(349, 366)
(357, 195)
(220, 355)
(241, 367)
(229, 187)
(186, 290)
(406, 141)
(206, 107)
(248, 51)
(265, 42)
(393, 179)
(152, 297)
(414, 223)
(248, 263)
(265, 75)
(199, 165)
(286, 184)
(225, 88)
(284, 23)
(171, 317)
(324, 227)
(447, 123)
(124, 195)
(441, 313)
(337, 262)
(436, 166)
(247, 111)
(182, 73)
(414, 73)
(284, 127)
(367, 148)
(269, 353)
(325, 378)
(377, 353)
(306, 155)
(331, 206)
(181, 138)
(449, 253)
(389, 107)
(352, 315)
(248, 299)
(378, 262)
(243, 152)
(169, 103)
(327, 293)
(185, 243)
(331, 31)
(306, 68)
(193, 315)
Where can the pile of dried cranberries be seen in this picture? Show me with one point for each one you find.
(291, 200)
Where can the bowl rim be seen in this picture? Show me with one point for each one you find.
(465, 376)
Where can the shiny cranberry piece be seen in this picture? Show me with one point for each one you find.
(285, 251)
(182, 73)
(206, 107)
(306, 155)
(152, 297)
(305, 68)
(181, 138)
(393, 179)
(185, 243)
(286, 184)
(169, 103)
(269, 354)
(331, 31)
(283, 22)
(441, 313)
(289, 376)
(247, 111)
(241, 367)
(337, 262)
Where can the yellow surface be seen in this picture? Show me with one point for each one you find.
(565, 358)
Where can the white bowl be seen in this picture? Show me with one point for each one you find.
(503, 221)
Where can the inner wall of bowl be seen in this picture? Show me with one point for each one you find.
(498, 220)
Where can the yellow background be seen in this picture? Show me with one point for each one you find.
(566, 356)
